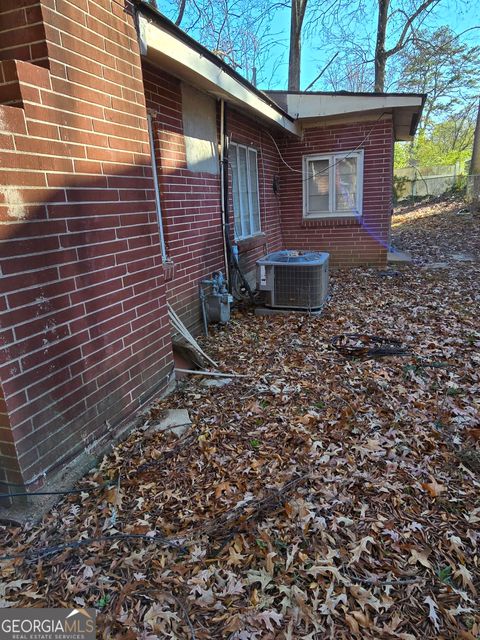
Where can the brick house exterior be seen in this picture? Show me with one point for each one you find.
(349, 241)
(85, 337)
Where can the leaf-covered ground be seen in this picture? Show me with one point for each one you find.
(322, 497)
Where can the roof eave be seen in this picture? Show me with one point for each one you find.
(404, 108)
(165, 45)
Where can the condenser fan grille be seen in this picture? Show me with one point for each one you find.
(294, 279)
(297, 287)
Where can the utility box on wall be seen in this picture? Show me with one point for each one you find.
(294, 279)
(218, 308)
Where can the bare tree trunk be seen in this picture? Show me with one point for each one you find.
(181, 11)
(473, 191)
(296, 22)
(380, 52)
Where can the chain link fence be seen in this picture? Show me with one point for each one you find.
(418, 183)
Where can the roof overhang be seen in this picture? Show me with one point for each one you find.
(166, 46)
(310, 108)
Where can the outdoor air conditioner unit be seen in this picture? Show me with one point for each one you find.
(294, 279)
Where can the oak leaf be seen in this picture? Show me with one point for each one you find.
(466, 577)
(420, 557)
(432, 612)
(434, 489)
(361, 548)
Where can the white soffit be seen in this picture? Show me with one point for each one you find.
(308, 107)
(315, 105)
(173, 55)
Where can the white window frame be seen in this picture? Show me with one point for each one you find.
(333, 159)
(234, 148)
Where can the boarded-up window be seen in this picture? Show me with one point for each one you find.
(200, 131)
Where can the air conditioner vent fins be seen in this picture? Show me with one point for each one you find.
(294, 279)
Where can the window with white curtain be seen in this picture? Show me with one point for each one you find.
(333, 184)
(246, 204)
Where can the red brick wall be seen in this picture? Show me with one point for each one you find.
(348, 241)
(191, 201)
(9, 469)
(22, 32)
(85, 335)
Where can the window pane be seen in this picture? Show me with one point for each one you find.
(318, 191)
(243, 191)
(346, 185)
(252, 157)
(235, 193)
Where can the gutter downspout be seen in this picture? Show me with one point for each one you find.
(224, 189)
(157, 190)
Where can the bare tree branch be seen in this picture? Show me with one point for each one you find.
(322, 71)
(408, 24)
(181, 11)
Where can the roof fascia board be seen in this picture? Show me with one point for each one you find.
(346, 93)
(159, 42)
(321, 105)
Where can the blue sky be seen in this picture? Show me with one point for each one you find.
(460, 18)
(317, 51)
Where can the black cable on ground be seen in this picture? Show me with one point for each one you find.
(40, 493)
(56, 493)
(54, 549)
(274, 498)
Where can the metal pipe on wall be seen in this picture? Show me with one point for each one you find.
(224, 188)
(157, 189)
